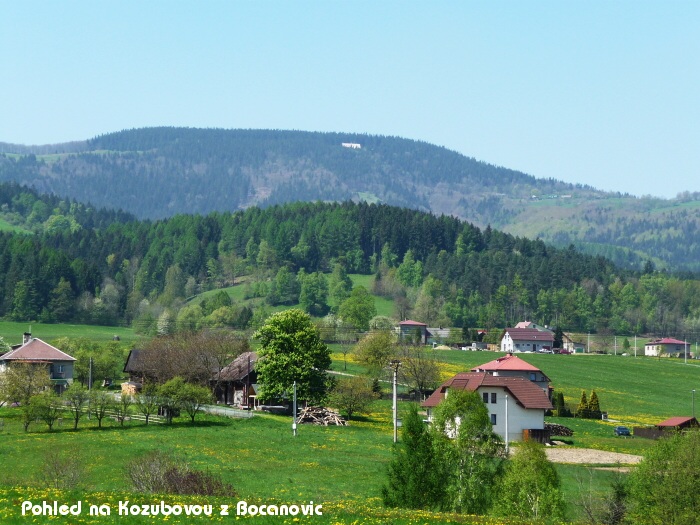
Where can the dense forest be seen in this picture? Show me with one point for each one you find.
(437, 268)
(155, 173)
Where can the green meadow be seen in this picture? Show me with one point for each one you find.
(12, 332)
(341, 467)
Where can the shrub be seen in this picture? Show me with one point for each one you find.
(157, 473)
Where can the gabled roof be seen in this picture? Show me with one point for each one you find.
(36, 350)
(528, 334)
(678, 421)
(409, 322)
(239, 368)
(666, 341)
(511, 363)
(524, 392)
(134, 362)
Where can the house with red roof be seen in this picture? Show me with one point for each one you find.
(526, 340)
(666, 346)
(59, 365)
(415, 331)
(512, 366)
(515, 403)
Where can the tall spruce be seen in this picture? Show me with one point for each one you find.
(414, 474)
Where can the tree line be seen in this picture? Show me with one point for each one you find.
(438, 268)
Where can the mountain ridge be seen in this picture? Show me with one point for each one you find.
(159, 172)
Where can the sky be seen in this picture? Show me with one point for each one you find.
(604, 93)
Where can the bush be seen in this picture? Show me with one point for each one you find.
(157, 473)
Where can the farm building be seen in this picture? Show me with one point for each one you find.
(678, 423)
(236, 383)
(413, 331)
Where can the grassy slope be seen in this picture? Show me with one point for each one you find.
(344, 467)
(12, 332)
(384, 306)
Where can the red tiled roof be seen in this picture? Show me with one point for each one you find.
(528, 334)
(666, 341)
(36, 350)
(525, 392)
(507, 362)
(675, 421)
(409, 322)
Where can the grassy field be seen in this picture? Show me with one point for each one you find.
(642, 390)
(384, 306)
(12, 332)
(341, 467)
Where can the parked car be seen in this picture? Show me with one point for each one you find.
(622, 431)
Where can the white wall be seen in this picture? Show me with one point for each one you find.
(519, 418)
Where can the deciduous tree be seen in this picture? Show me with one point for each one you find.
(530, 489)
(292, 350)
(352, 395)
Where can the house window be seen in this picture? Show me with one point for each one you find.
(533, 377)
(493, 397)
(486, 397)
(59, 369)
(493, 419)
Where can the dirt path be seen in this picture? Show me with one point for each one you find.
(589, 455)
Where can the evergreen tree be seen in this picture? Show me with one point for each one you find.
(594, 406)
(558, 338)
(582, 410)
(414, 474)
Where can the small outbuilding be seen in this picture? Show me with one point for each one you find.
(678, 424)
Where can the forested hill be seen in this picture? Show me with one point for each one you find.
(159, 172)
(437, 268)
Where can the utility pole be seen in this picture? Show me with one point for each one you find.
(506, 424)
(395, 364)
(294, 411)
(693, 392)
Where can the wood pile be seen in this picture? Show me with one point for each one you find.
(558, 430)
(320, 416)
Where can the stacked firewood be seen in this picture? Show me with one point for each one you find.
(320, 416)
(558, 430)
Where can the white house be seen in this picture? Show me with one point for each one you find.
(666, 346)
(513, 402)
(526, 340)
(59, 365)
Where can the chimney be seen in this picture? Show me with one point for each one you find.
(26, 337)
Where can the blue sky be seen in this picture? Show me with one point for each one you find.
(602, 93)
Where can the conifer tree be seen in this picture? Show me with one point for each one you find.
(582, 410)
(594, 406)
(414, 480)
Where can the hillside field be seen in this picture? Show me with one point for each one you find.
(342, 467)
